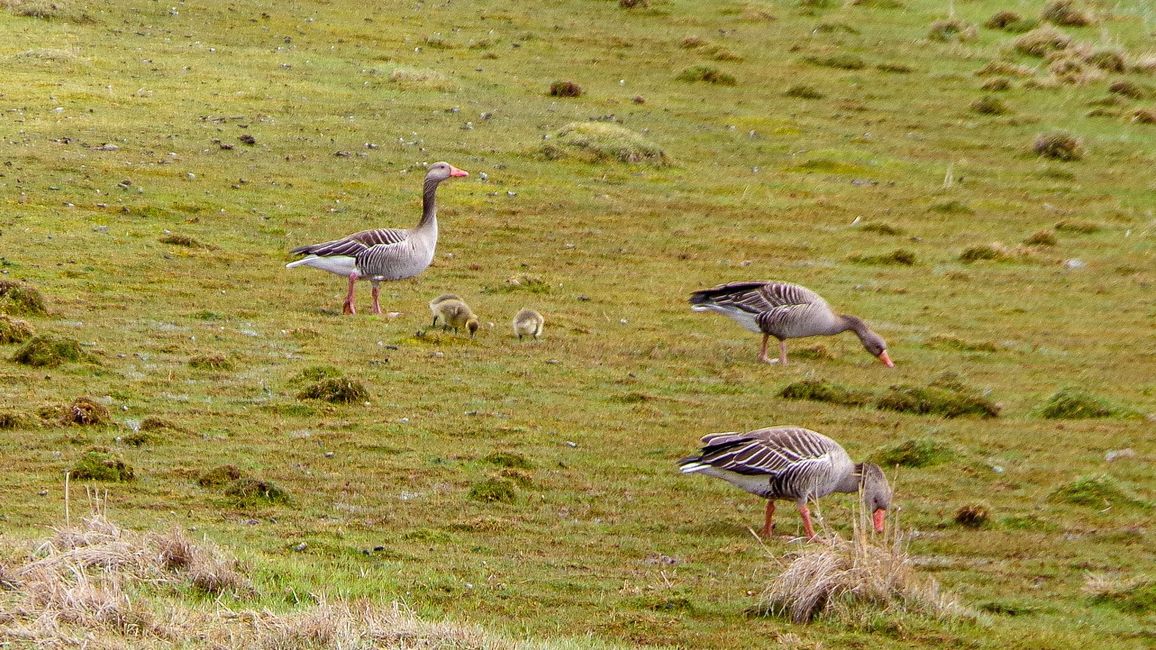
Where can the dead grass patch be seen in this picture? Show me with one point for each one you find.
(1134, 594)
(998, 84)
(946, 397)
(564, 89)
(1144, 116)
(951, 29)
(13, 330)
(21, 299)
(973, 515)
(1067, 13)
(1041, 238)
(1127, 88)
(1042, 41)
(1005, 69)
(336, 390)
(1078, 226)
(988, 105)
(215, 362)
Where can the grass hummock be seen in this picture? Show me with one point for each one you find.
(1041, 238)
(21, 299)
(247, 491)
(217, 362)
(48, 350)
(707, 73)
(1067, 14)
(564, 89)
(949, 401)
(1042, 41)
(988, 105)
(921, 452)
(219, 476)
(601, 142)
(840, 61)
(1076, 404)
(973, 515)
(494, 490)
(84, 412)
(337, 390)
(821, 390)
(100, 464)
(13, 330)
(508, 459)
(1133, 595)
(899, 256)
(1096, 491)
(951, 29)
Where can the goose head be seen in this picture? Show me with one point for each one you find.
(440, 171)
(876, 493)
(472, 324)
(877, 347)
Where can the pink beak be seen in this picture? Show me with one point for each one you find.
(454, 171)
(878, 518)
(886, 359)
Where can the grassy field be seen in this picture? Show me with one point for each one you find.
(159, 160)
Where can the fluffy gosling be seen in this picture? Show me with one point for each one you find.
(433, 305)
(528, 323)
(456, 315)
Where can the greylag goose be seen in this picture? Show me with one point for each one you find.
(383, 253)
(528, 322)
(784, 311)
(456, 314)
(790, 463)
(433, 305)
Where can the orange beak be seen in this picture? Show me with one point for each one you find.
(886, 359)
(454, 171)
(878, 518)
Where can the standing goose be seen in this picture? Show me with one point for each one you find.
(790, 463)
(383, 253)
(784, 311)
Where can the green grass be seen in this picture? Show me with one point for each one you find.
(346, 101)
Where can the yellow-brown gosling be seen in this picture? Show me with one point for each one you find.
(433, 304)
(528, 322)
(456, 315)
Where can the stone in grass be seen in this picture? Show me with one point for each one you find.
(508, 459)
(13, 330)
(819, 390)
(211, 362)
(21, 299)
(921, 452)
(1099, 491)
(247, 491)
(47, 350)
(100, 464)
(494, 490)
(220, 476)
(602, 142)
(972, 515)
(1075, 404)
(336, 390)
(707, 73)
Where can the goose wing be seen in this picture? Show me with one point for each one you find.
(772, 451)
(755, 297)
(356, 243)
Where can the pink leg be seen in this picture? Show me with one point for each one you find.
(763, 350)
(783, 352)
(376, 295)
(807, 527)
(348, 308)
(769, 522)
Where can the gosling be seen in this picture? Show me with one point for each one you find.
(433, 305)
(528, 323)
(456, 315)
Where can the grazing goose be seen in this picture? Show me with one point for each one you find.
(528, 322)
(456, 314)
(433, 305)
(790, 463)
(383, 253)
(784, 311)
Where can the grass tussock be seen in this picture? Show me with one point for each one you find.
(854, 581)
(988, 105)
(1144, 116)
(1127, 88)
(564, 89)
(13, 330)
(950, 399)
(15, 420)
(508, 459)
(494, 490)
(1041, 238)
(337, 390)
(997, 84)
(219, 476)
(951, 29)
(951, 342)
(50, 351)
(1133, 595)
(407, 77)
(973, 515)
(1067, 13)
(952, 206)
(52, 10)
(21, 299)
(1108, 60)
(708, 74)
(821, 390)
(899, 257)
(840, 61)
(921, 452)
(99, 464)
(185, 241)
(1078, 227)
(250, 492)
(1077, 404)
(1010, 21)
(215, 362)
(1099, 491)
(1042, 41)
(84, 412)
(601, 142)
(803, 91)
(1058, 145)
(1005, 69)
(995, 252)
(881, 228)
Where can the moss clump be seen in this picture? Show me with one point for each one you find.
(1042, 42)
(899, 256)
(988, 105)
(21, 299)
(601, 142)
(818, 390)
(46, 350)
(708, 73)
(211, 362)
(1078, 227)
(220, 476)
(100, 464)
(803, 91)
(565, 89)
(1042, 238)
(1066, 13)
(336, 390)
(183, 240)
(923, 452)
(247, 491)
(1075, 404)
(316, 373)
(972, 515)
(948, 400)
(951, 29)
(491, 490)
(508, 459)
(13, 330)
(949, 342)
(1098, 491)
(841, 61)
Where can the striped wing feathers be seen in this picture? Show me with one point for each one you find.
(773, 451)
(355, 243)
(756, 297)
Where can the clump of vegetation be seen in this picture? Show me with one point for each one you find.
(821, 390)
(1097, 491)
(13, 330)
(46, 350)
(922, 452)
(1004, 69)
(338, 390)
(708, 73)
(491, 490)
(316, 373)
(1136, 595)
(949, 342)
(881, 228)
(994, 251)
(803, 91)
(1067, 13)
(899, 256)
(1076, 404)
(247, 491)
(997, 84)
(159, 424)
(896, 68)
(219, 476)
(21, 299)
(565, 89)
(1041, 238)
(851, 581)
(1078, 227)
(951, 207)
(634, 4)
(988, 105)
(834, 27)
(972, 515)
(211, 362)
(46, 10)
(951, 29)
(508, 459)
(951, 399)
(1128, 89)
(1042, 41)
(13, 420)
(1071, 70)
(841, 61)
(1108, 60)
(183, 240)
(408, 77)
(1144, 116)
(1005, 20)
(1058, 146)
(85, 412)
(817, 351)
(600, 142)
(99, 464)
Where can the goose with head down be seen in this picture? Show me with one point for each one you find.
(383, 253)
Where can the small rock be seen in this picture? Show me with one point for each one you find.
(484, 176)
(300, 547)
(329, 454)
(437, 355)
(404, 420)
(378, 548)
(1074, 264)
(42, 493)
(511, 194)
(250, 522)
(571, 444)
(108, 147)
(1117, 454)
(342, 154)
